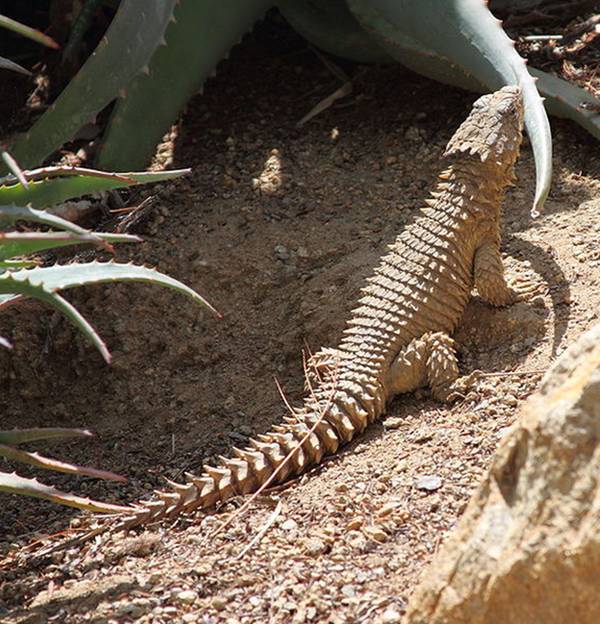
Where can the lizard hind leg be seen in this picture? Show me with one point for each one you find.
(443, 375)
(429, 361)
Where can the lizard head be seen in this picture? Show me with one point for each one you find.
(493, 130)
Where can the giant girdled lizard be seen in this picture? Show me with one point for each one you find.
(398, 338)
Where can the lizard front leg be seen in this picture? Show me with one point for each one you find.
(428, 361)
(489, 276)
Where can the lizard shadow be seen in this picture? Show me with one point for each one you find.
(544, 263)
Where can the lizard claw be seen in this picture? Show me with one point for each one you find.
(459, 390)
(523, 289)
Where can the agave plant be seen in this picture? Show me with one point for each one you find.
(156, 55)
(21, 276)
(14, 484)
(25, 31)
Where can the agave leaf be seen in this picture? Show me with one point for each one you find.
(8, 64)
(12, 214)
(21, 436)
(78, 182)
(130, 41)
(43, 283)
(151, 103)
(39, 461)
(80, 27)
(10, 265)
(465, 34)
(60, 277)
(331, 26)
(27, 31)
(564, 99)
(14, 168)
(14, 244)
(13, 290)
(14, 484)
(53, 171)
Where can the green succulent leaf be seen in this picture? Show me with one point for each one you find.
(467, 37)
(21, 436)
(80, 27)
(566, 100)
(14, 484)
(60, 183)
(12, 214)
(39, 461)
(14, 244)
(43, 283)
(13, 290)
(151, 102)
(331, 26)
(60, 277)
(13, 167)
(8, 64)
(27, 31)
(132, 38)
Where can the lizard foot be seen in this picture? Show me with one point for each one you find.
(459, 389)
(523, 289)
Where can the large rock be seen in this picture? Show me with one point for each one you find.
(527, 549)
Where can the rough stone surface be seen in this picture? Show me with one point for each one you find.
(527, 549)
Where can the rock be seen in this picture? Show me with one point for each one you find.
(186, 596)
(218, 602)
(393, 422)
(428, 483)
(354, 524)
(289, 525)
(281, 252)
(527, 549)
(375, 533)
(391, 616)
(314, 546)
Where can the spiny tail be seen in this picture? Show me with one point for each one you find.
(315, 431)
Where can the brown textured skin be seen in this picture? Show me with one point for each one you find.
(398, 338)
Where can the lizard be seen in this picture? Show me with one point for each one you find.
(398, 338)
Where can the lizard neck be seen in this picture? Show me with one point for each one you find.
(471, 192)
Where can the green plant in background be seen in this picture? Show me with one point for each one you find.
(155, 56)
(14, 484)
(25, 31)
(20, 277)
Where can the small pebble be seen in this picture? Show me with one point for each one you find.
(314, 546)
(281, 252)
(218, 603)
(354, 524)
(186, 596)
(393, 423)
(289, 525)
(375, 533)
(390, 616)
(428, 483)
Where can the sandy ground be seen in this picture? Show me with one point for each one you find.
(283, 260)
